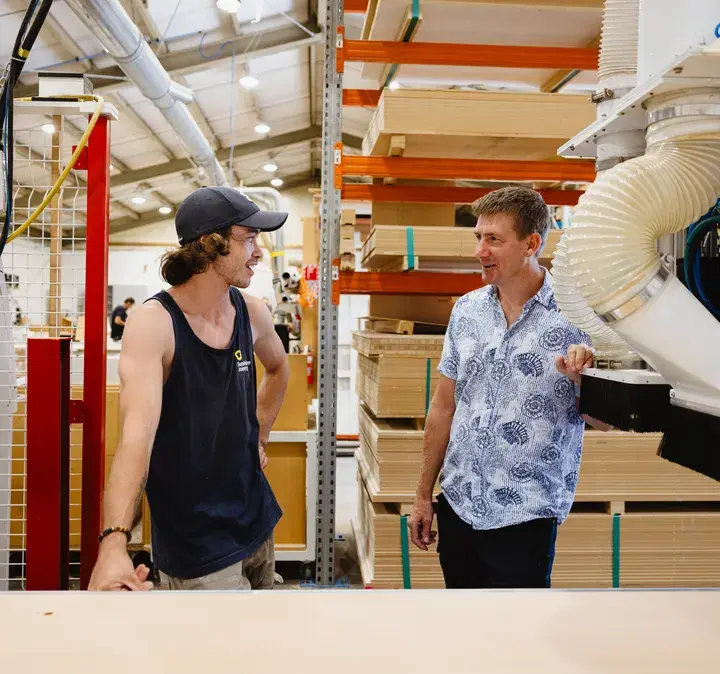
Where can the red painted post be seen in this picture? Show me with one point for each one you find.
(96, 282)
(47, 543)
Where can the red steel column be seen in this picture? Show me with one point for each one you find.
(96, 282)
(47, 541)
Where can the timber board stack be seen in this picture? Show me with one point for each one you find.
(666, 518)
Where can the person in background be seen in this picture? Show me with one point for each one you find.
(194, 423)
(504, 424)
(119, 318)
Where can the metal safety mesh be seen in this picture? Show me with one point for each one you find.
(42, 295)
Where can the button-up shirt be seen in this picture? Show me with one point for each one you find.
(516, 437)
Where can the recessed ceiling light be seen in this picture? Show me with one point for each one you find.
(262, 128)
(230, 6)
(270, 168)
(112, 168)
(138, 199)
(249, 82)
(165, 210)
(48, 128)
(394, 85)
(276, 182)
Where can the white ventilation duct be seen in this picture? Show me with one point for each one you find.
(619, 44)
(123, 41)
(617, 71)
(612, 247)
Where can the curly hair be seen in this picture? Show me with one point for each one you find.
(179, 266)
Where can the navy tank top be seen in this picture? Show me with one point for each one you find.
(210, 503)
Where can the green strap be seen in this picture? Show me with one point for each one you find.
(428, 371)
(405, 551)
(616, 551)
(410, 246)
(414, 18)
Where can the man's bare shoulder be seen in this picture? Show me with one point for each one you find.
(260, 315)
(149, 326)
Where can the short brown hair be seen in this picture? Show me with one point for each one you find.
(530, 211)
(179, 266)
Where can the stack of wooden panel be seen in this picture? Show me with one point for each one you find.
(618, 466)
(583, 555)
(392, 247)
(670, 549)
(397, 374)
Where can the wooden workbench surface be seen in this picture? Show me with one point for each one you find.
(502, 632)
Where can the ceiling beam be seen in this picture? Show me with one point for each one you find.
(223, 155)
(153, 217)
(191, 60)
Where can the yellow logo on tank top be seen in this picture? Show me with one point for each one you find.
(242, 365)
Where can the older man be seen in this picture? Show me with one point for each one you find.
(504, 424)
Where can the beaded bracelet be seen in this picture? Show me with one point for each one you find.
(112, 530)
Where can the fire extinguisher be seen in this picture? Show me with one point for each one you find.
(310, 361)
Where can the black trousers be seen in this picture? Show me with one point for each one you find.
(519, 556)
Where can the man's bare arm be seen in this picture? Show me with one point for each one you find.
(435, 444)
(271, 353)
(147, 337)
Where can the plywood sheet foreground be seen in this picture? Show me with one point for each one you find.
(310, 632)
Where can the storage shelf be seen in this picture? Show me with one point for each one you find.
(442, 195)
(408, 283)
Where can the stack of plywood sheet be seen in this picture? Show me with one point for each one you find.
(397, 374)
(583, 556)
(670, 549)
(618, 466)
(391, 455)
(392, 247)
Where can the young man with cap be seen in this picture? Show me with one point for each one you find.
(193, 427)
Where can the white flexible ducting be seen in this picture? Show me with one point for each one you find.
(619, 44)
(612, 246)
(607, 344)
(123, 41)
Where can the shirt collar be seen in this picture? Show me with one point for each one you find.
(545, 295)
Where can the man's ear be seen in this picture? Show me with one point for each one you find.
(534, 244)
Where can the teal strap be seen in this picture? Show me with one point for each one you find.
(616, 551)
(407, 36)
(428, 370)
(410, 246)
(405, 552)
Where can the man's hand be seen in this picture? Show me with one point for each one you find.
(114, 570)
(421, 521)
(263, 456)
(578, 357)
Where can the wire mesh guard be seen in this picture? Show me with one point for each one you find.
(42, 292)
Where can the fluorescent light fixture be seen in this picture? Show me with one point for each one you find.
(394, 85)
(270, 168)
(165, 210)
(262, 128)
(249, 82)
(276, 182)
(229, 6)
(48, 128)
(138, 199)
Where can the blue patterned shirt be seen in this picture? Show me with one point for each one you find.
(516, 438)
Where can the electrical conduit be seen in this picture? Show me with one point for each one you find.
(611, 249)
(116, 32)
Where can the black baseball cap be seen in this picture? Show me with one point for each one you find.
(210, 209)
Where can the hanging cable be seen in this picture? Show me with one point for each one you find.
(24, 41)
(693, 277)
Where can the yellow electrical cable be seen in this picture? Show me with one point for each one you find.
(56, 187)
